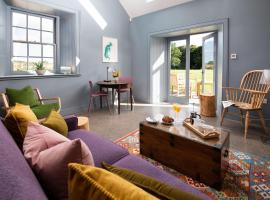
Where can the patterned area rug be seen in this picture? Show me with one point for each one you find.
(248, 176)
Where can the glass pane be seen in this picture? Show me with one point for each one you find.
(19, 64)
(33, 36)
(47, 24)
(18, 19)
(35, 50)
(33, 22)
(178, 68)
(19, 34)
(19, 49)
(31, 62)
(48, 51)
(47, 37)
(48, 64)
(209, 62)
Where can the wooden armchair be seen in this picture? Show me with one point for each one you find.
(249, 97)
(46, 104)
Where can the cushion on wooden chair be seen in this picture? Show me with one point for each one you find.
(24, 96)
(43, 110)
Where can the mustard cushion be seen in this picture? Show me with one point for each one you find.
(92, 183)
(56, 122)
(149, 184)
(17, 120)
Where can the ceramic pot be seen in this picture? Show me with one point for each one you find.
(41, 72)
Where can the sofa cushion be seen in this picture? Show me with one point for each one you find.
(24, 96)
(142, 166)
(72, 122)
(149, 184)
(56, 122)
(17, 120)
(43, 110)
(101, 149)
(96, 184)
(17, 181)
(49, 153)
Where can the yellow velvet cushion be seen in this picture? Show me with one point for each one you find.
(56, 122)
(17, 120)
(149, 184)
(92, 183)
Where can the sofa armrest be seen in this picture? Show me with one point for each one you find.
(72, 122)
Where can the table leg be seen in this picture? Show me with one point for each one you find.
(131, 99)
(118, 99)
(113, 97)
(100, 98)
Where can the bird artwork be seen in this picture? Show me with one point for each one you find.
(110, 50)
(107, 52)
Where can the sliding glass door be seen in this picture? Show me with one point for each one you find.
(178, 70)
(209, 52)
(191, 67)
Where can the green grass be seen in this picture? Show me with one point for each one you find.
(195, 76)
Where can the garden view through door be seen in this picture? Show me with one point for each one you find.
(192, 62)
(178, 72)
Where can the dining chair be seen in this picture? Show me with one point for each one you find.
(93, 94)
(129, 80)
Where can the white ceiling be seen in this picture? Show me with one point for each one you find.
(137, 8)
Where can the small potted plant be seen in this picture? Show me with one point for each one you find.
(40, 69)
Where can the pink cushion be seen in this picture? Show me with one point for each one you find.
(49, 153)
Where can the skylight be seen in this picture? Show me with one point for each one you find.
(93, 12)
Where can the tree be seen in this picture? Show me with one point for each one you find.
(175, 56)
(195, 57)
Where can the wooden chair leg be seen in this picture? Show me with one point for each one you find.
(247, 121)
(223, 115)
(133, 101)
(107, 100)
(89, 105)
(260, 113)
(241, 116)
(94, 103)
(127, 98)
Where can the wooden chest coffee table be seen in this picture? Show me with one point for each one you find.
(184, 151)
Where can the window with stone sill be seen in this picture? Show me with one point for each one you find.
(33, 40)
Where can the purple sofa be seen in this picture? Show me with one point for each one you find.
(17, 181)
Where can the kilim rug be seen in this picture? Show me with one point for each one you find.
(248, 176)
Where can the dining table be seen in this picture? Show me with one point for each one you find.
(115, 85)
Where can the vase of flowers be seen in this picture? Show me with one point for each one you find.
(40, 69)
(115, 74)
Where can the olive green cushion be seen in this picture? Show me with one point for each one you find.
(24, 96)
(43, 110)
(56, 122)
(151, 185)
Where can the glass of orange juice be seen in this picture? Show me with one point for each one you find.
(176, 108)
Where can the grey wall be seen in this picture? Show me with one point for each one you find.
(249, 33)
(74, 91)
(3, 47)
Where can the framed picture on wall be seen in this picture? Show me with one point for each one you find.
(109, 50)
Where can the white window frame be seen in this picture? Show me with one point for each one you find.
(55, 37)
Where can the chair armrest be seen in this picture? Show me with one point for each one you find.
(72, 122)
(52, 99)
(255, 92)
